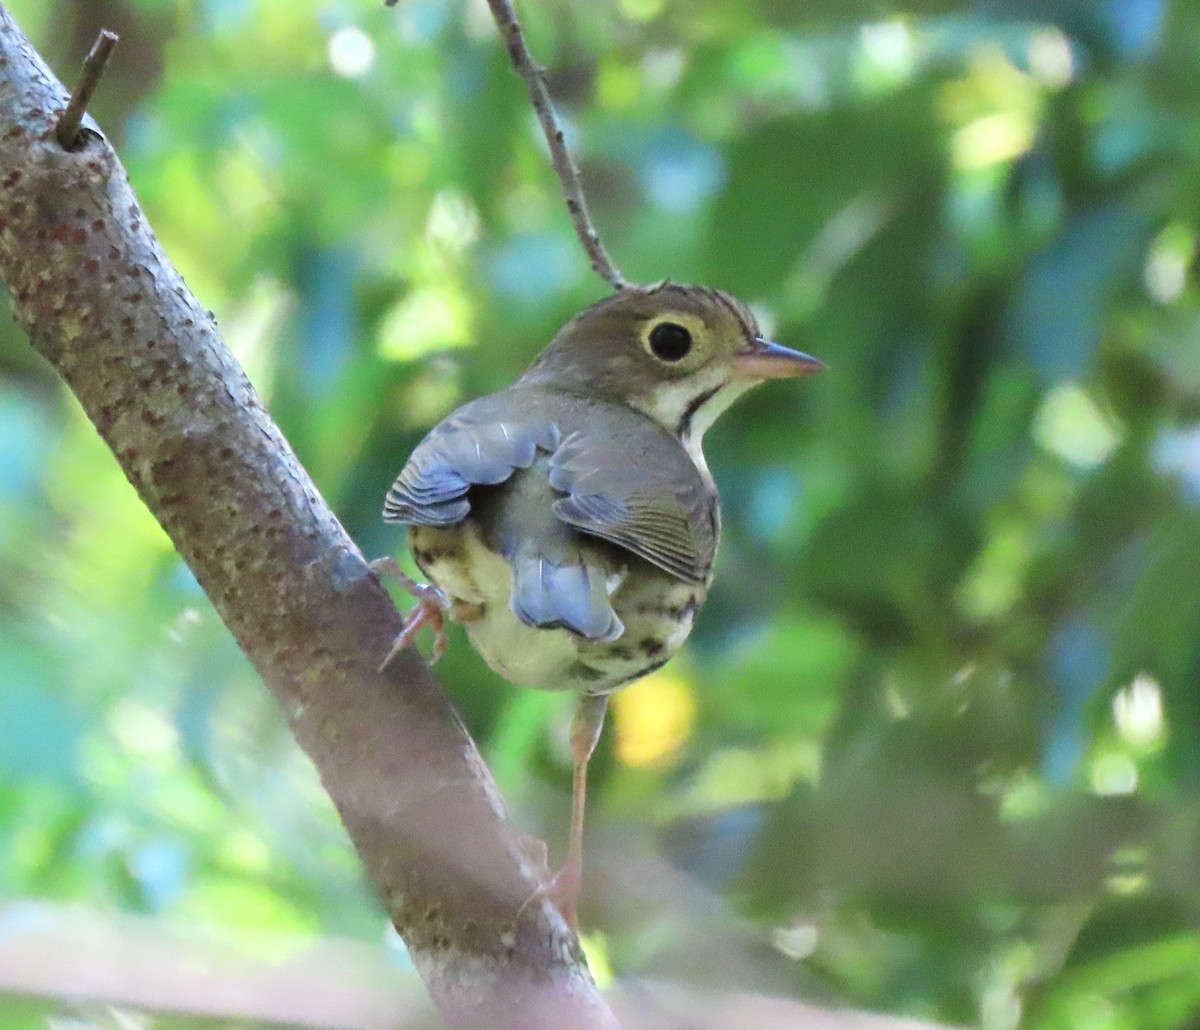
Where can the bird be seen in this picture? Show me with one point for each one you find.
(570, 523)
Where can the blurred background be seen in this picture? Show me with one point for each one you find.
(934, 749)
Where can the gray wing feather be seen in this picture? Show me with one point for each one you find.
(460, 452)
(656, 506)
(656, 509)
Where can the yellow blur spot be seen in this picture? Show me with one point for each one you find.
(431, 318)
(995, 582)
(641, 10)
(595, 950)
(995, 109)
(1114, 775)
(619, 87)
(244, 851)
(1071, 425)
(654, 718)
(993, 139)
(144, 733)
(1168, 262)
(265, 924)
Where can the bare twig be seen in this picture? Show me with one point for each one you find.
(67, 129)
(564, 164)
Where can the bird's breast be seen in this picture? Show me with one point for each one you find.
(658, 611)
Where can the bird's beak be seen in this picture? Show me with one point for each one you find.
(762, 359)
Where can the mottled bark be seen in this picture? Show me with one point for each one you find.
(100, 301)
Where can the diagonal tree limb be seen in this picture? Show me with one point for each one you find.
(100, 301)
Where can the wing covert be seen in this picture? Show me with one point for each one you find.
(461, 452)
(657, 507)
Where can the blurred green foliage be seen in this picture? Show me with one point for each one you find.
(938, 733)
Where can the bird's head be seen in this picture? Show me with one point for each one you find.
(679, 354)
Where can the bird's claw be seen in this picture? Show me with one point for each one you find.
(561, 890)
(431, 608)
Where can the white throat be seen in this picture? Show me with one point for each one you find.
(689, 406)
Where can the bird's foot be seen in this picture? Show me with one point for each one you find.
(432, 606)
(561, 889)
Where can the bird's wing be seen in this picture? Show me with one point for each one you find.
(654, 503)
(465, 449)
(553, 584)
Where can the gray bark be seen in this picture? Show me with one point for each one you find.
(101, 302)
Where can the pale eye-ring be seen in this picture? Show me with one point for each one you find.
(669, 341)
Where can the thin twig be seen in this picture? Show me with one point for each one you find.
(564, 165)
(67, 130)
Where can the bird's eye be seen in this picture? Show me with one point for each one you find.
(670, 341)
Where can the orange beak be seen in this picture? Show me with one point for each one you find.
(762, 359)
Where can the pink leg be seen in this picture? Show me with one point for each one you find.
(563, 889)
(432, 606)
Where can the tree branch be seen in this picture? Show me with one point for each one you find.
(94, 64)
(564, 164)
(61, 952)
(101, 302)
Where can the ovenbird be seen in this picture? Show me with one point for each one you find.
(569, 523)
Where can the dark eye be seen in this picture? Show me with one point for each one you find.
(670, 341)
